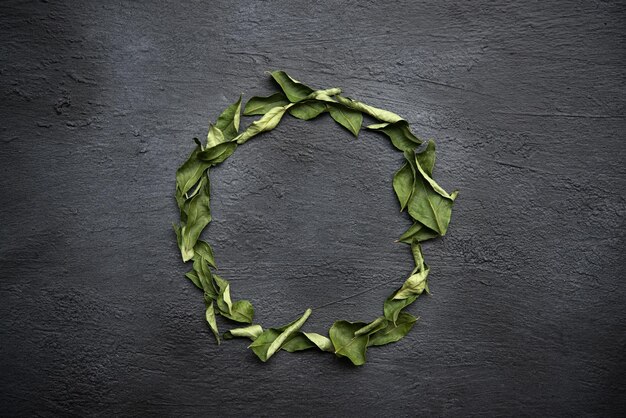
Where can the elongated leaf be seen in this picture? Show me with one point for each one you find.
(393, 332)
(426, 158)
(393, 307)
(204, 250)
(228, 121)
(189, 174)
(414, 285)
(210, 319)
(266, 123)
(346, 343)
(348, 118)
(372, 327)
(271, 340)
(201, 267)
(198, 217)
(252, 332)
(241, 311)
(261, 105)
(193, 276)
(297, 342)
(214, 137)
(429, 207)
(403, 184)
(308, 109)
(399, 133)
(418, 232)
(380, 114)
(322, 342)
(224, 302)
(293, 89)
(218, 153)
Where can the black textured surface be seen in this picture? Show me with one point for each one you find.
(99, 105)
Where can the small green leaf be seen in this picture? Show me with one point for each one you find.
(241, 311)
(414, 285)
(393, 307)
(210, 319)
(346, 343)
(403, 184)
(228, 121)
(380, 114)
(266, 123)
(271, 340)
(201, 267)
(426, 158)
(418, 232)
(348, 118)
(261, 105)
(188, 174)
(323, 343)
(293, 89)
(393, 332)
(193, 276)
(372, 327)
(204, 250)
(399, 133)
(252, 332)
(198, 217)
(214, 137)
(308, 109)
(218, 153)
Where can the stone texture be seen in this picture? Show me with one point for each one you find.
(100, 101)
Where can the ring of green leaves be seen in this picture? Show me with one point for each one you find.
(428, 204)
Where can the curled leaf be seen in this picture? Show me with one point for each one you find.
(228, 121)
(380, 114)
(348, 118)
(399, 133)
(393, 331)
(252, 332)
(308, 109)
(268, 122)
(346, 343)
(210, 319)
(293, 89)
(261, 105)
(271, 340)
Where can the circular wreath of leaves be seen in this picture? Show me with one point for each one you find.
(428, 204)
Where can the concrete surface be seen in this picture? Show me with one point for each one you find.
(100, 101)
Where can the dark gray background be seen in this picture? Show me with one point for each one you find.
(99, 106)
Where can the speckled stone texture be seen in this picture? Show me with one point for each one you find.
(100, 101)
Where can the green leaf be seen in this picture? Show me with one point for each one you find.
(348, 118)
(293, 89)
(418, 232)
(224, 302)
(261, 105)
(380, 114)
(201, 267)
(308, 109)
(426, 158)
(271, 340)
(214, 137)
(188, 174)
(297, 342)
(204, 250)
(198, 217)
(323, 343)
(210, 319)
(372, 327)
(414, 285)
(218, 153)
(252, 332)
(393, 307)
(403, 184)
(346, 343)
(268, 122)
(399, 133)
(241, 311)
(193, 276)
(228, 121)
(393, 332)
(429, 206)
